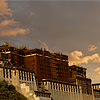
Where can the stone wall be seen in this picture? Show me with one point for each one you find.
(64, 91)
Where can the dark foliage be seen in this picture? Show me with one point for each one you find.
(8, 92)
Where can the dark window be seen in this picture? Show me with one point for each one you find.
(22, 74)
(7, 73)
(4, 73)
(32, 77)
(10, 73)
(15, 72)
(19, 75)
(27, 76)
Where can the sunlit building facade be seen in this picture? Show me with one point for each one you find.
(46, 65)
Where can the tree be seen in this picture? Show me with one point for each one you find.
(8, 92)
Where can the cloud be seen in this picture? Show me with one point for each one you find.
(8, 26)
(76, 58)
(14, 32)
(92, 48)
(98, 74)
(8, 22)
(97, 69)
(4, 10)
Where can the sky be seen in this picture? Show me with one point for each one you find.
(69, 27)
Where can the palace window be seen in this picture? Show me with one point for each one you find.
(30, 76)
(10, 73)
(19, 74)
(7, 73)
(4, 73)
(27, 76)
(22, 75)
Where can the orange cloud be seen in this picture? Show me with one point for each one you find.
(97, 69)
(4, 10)
(76, 58)
(9, 27)
(10, 22)
(98, 74)
(14, 32)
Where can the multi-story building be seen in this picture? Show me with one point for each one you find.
(85, 83)
(96, 94)
(12, 54)
(96, 90)
(46, 65)
(56, 80)
(25, 82)
(77, 71)
(23, 79)
(78, 77)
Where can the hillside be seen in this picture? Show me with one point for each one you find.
(8, 92)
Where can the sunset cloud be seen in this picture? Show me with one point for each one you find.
(10, 22)
(92, 48)
(4, 10)
(98, 74)
(97, 69)
(14, 32)
(76, 57)
(8, 26)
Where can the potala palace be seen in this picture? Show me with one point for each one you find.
(41, 75)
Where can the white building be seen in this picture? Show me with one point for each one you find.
(25, 82)
(23, 79)
(65, 91)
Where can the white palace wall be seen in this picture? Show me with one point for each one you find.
(61, 91)
(18, 77)
(25, 83)
(88, 96)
